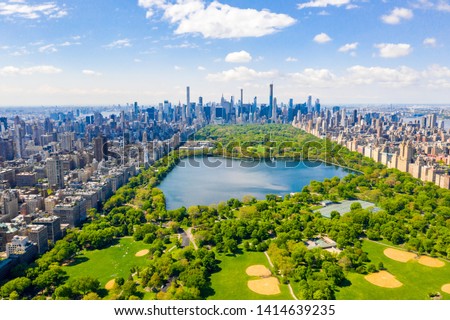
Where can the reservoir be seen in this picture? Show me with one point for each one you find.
(205, 181)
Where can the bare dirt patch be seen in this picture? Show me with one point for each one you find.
(446, 288)
(399, 255)
(431, 262)
(265, 286)
(110, 284)
(142, 253)
(383, 279)
(258, 270)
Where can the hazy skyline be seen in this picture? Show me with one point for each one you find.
(114, 52)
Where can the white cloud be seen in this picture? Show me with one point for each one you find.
(440, 5)
(122, 43)
(443, 6)
(238, 57)
(137, 60)
(351, 6)
(398, 77)
(437, 71)
(315, 78)
(177, 68)
(184, 45)
(323, 13)
(50, 48)
(22, 51)
(217, 20)
(392, 50)
(323, 3)
(13, 71)
(430, 42)
(241, 74)
(69, 44)
(348, 47)
(397, 15)
(322, 38)
(291, 59)
(201, 68)
(88, 72)
(20, 9)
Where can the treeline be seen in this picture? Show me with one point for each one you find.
(280, 141)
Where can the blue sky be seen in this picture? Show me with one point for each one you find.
(104, 52)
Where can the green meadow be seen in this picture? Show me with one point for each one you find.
(106, 264)
(418, 280)
(231, 282)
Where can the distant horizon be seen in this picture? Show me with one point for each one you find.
(124, 105)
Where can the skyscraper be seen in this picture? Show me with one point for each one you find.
(188, 102)
(100, 148)
(309, 104)
(317, 106)
(55, 172)
(271, 106)
(242, 103)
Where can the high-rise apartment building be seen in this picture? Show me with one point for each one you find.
(55, 173)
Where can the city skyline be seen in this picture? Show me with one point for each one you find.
(110, 52)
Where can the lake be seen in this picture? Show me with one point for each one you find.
(206, 181)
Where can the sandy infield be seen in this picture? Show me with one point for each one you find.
(258, 271)
(399, 255)
(265, 286)
(446, 288)
(110, 284)
(142, 253)
(383, 279)
(431, 262)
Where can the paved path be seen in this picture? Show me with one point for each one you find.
(132, 205)
(289, 285)
(191, 237)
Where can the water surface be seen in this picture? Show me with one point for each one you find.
(212, 180)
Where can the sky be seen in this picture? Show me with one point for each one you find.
(110, 52)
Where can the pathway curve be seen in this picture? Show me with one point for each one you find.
(289, 285)
(191, 237)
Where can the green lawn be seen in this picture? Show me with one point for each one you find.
(418, 280)
(231, 282)
(108, 263)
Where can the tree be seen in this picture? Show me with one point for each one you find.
(91, 296)
(129, 289)
(335, 215)
(63, 292)
(50, 279)
(355, 206)
(19, 285)
(83, 285)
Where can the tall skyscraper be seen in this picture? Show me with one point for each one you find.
(271, 106)
(100, 148)
(55, 172)
(188, 102)
(317, 106)
(309, 104)
(242, 103)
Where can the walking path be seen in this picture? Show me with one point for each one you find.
(289, 285)
(191, 237)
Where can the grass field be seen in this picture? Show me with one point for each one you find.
(418, 280)
(108, 263)
(231, 282)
